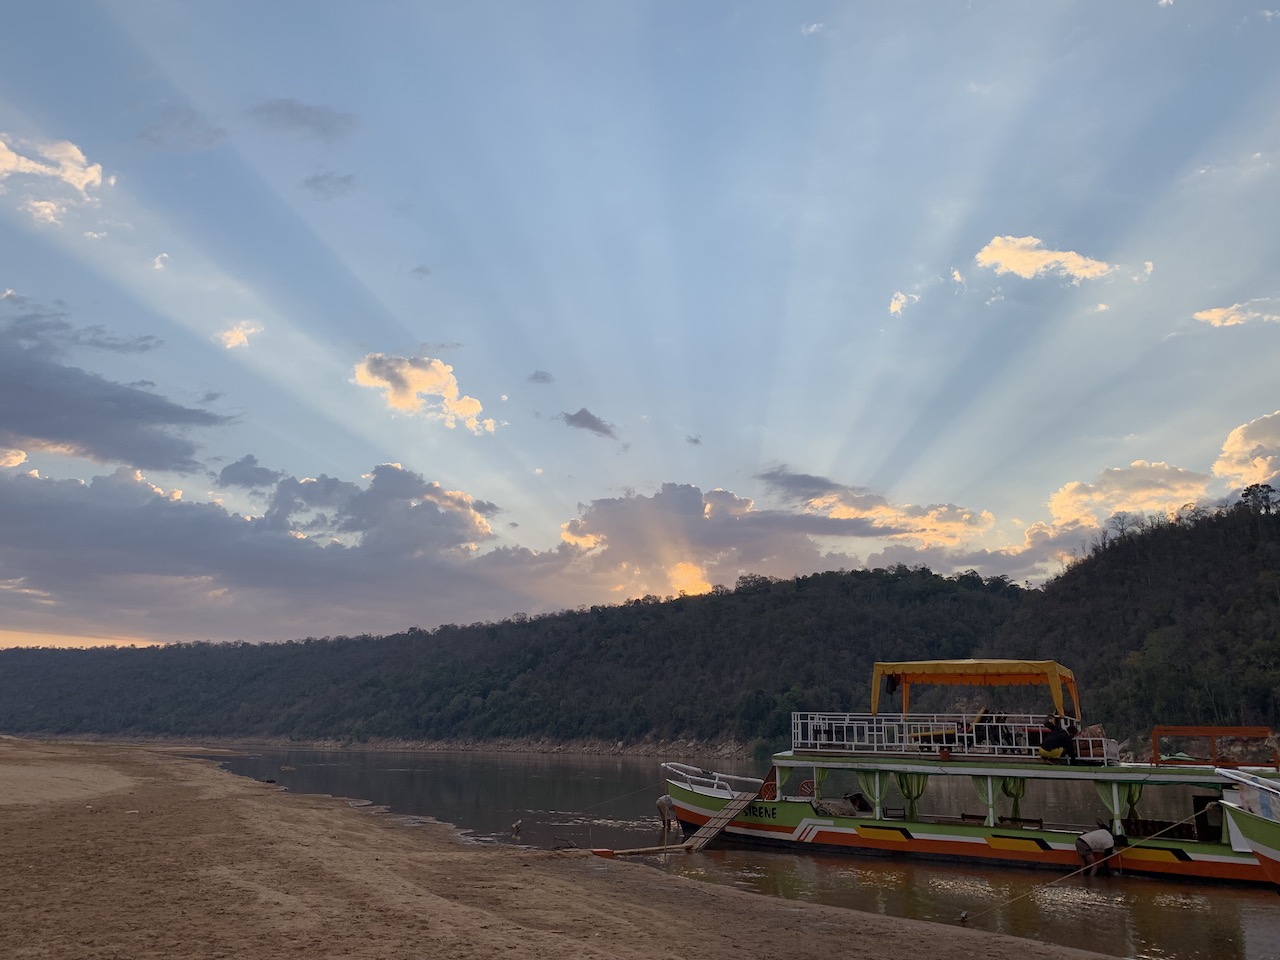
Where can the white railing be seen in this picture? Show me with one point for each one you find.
(725, 783)
(1009, 736)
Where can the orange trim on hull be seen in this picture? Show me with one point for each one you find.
(994, 848)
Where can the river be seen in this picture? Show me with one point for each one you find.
(562, 800)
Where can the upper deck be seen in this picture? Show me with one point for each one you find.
(940, 736)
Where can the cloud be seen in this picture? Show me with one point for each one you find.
(1240, 313)
(12, 458)
(303, 119)
(1251, 452)
(421, 270)
(1026, 257)
(182, 128)
(810, 29)
(406, 381)
(584, 419)
(540, 376)
(956, 276)
(684, 539)
(693, 440)
(117, 550)
(899, 300)
(246, 472)
(48, 405)
(60, 160)
(238, 334)
(33, 325)
(330, 185)
(1141, 487)
(925, 526)
(160, 261)
(45, 211)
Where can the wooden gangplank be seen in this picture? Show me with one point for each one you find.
(715, 826)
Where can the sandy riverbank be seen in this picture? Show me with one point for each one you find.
(114, 850)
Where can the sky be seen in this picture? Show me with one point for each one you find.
(324, 318)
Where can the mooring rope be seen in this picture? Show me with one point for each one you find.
(623, 796)
(965, 917)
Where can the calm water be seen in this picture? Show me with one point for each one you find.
(609, 802)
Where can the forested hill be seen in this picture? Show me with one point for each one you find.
(1163, 621)
(1167, 621)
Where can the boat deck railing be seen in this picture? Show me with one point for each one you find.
(939, 735)
(725, 783)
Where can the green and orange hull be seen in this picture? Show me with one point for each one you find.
(795, 823)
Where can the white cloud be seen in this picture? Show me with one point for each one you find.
(406, 381)
(61, 160)
(900, 300)
(1262, 310)
(1251, 452)
(238, 334)
(1101, 308)
(45, 211)
(160, 262)
(12, 458)
(809, 29)
(1026, 257)
(956, 276)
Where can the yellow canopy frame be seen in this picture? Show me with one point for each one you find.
(986, 673)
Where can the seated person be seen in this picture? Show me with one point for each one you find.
(1057, 743)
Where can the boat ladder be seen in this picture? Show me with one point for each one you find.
(715, 826)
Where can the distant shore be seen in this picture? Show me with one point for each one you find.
(665, 749)
(134, 850)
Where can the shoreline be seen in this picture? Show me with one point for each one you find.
(129, 850)
(658, 749)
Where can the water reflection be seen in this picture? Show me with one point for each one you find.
(609, 802)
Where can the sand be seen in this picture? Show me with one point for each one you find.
(125, 851)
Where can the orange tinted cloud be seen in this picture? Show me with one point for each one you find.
(1025, 257)
(408, 382)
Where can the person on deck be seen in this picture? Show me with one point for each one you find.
(1095, 848)
(1056, 743)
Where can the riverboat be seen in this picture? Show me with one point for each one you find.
(1254, 819)
(859, 782)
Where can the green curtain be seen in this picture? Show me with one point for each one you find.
(912, 786)
(1015, 788)
(819, 777)
(784, 774)
(986, 787)
(1132, 794)
(874, 784)
(1114, 796)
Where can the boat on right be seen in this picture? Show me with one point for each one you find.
(1253, 818)
(911, 784)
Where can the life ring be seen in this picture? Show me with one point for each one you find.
(807, 788)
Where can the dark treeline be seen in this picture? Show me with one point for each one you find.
(1164, 621)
